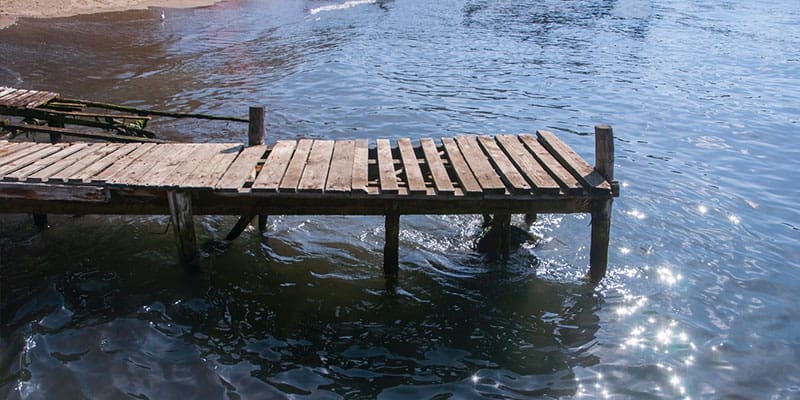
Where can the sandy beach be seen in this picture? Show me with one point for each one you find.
(10, 10)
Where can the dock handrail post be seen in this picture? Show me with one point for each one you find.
(391, 247)
(256, 132)
(180, 209)
(601, 207)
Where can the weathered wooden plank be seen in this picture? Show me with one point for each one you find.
(208, 174)
(5, 91)
(242, 169)
(361, 166)
(295, 170)
(50, 192)
(567, 181)
(416, 184)
(275, 167)
(202, 153)
(39, 99)
(386, 173)
(9, 148)
(88, 156)
(64, 162)
(104, 162)
(536, 174)
(21, 100)
(8, 99)
(316, 171)
(484, 172)
(508, 172)
(166, 166)
(143, 165)
(465, 177)
(122, 163)
(341, 173)
(573, 162)
(41, 152)
(23, 173)
(441, 179)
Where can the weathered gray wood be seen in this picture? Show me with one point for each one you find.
(465, 177)
(43, 163)
(508, 173)
(361, 166)
(604, 151)
(441, 180)
(41, 98)
(93, 153)
(275, 167)
(202, 154)
(416, 184)
(242, 169)
(295, 169)
(316, 170)
(207, 174)
(30, 158)
(51, 193)
(10, 99)
(19, 100)
(144, 165)
(104, 162)
(481, 167)
(564, 178)
(167, 165)
(121, 164)
(341, 173)
(9, 148)
(21, 150)
(536, 174)
(386, 173)
(180, 208)
(585, 174)
(5, 90)
(601, 228)
(256, 129)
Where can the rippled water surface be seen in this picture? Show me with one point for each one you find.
(700, 300)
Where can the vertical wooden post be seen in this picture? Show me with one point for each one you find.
(255, 136)
(180, 208)
(601, 208)
(501, 225)
(40, 220)
(391, 248)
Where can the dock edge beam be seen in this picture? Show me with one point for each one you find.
(601, 208)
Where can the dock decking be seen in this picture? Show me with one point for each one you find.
(466, 174)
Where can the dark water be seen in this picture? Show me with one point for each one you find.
(701, 297)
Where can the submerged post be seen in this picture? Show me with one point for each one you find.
(501, 225)
(601, 207)
(391, 248)
(180, 209)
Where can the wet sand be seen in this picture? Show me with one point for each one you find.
(10, 10)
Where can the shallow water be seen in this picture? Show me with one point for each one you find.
(704, 271)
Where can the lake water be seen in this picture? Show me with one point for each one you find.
(701, 296)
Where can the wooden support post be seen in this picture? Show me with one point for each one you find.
(601, 208)
(180, 208)
(255, 135)
(240, 226)
(40, 220)
(501, 225)
(56, 123)
(391, 248)
(530, 218)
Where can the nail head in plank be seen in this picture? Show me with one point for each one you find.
(275, 167)
(242, 169)
(208, 174)
(361, 166)
(316, 171)
(387, 176)
(535, 172)
(553, 167)
(341, 172)
(441, 179)
(122, 163)
(573, 162)
(465, 177)
(508, 172)
(416, 184)
(295, 169)
(484, 172)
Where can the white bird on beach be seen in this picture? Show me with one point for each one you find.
(163, 16)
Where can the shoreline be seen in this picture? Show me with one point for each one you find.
(10, 10)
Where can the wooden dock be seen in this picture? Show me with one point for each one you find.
(499, 175)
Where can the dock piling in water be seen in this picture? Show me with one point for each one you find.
(601, 208)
